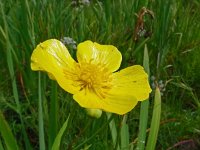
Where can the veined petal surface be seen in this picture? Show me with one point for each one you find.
(53, 57)
(106, 55)
(117, 103)
(131, 81)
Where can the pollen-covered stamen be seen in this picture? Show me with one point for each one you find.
(94, 77)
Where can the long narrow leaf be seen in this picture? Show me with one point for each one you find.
(144, 108)
(155, 122)
(56, 144)
(124, 134)
(113, 129)
(7, 135)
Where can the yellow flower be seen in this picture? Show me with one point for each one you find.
(93, 80)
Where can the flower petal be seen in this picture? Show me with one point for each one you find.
(107, 55)
(53, 57)
(131, 81)
(119, 104)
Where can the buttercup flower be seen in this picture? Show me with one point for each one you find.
(93, 80)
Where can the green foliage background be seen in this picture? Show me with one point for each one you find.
(174, 52)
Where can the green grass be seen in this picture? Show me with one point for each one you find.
(174, 51)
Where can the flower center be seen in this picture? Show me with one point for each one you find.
(94, 77)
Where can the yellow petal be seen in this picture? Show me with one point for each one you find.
(53, 57)
(51, 76)
(131, 81)
(119, 104)
(107, 55)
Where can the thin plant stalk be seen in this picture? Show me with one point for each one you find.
(53, 117)
(40, 116)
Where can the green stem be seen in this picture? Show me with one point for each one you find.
(53, 117)
(40, 116)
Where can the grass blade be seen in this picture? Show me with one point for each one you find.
(144, 108)
(142, 3)
(40, 116)
(113, 130)
(56, 144)
(107, 6)
(11, 68)
(155, 122)
(7, 135)
(1, 146)
(53, 117)
(124, 134)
